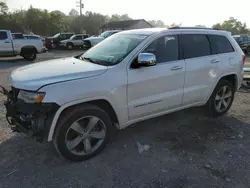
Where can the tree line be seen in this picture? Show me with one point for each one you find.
(46, 23)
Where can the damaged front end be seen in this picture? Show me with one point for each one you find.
(33, 118)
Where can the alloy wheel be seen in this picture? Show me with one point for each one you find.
(70, 47)
(85, 135)
(223, 98)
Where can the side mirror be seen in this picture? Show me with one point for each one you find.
(146, 59)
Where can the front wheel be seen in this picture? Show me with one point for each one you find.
(83, 133)
(221, 99)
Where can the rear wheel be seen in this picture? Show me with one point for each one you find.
(70, 46)
(221, 99)
(248, 50)
(30, 56)
(83, 133)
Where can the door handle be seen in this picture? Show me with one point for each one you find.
(6, 42)
(176, 68)
(215, 61)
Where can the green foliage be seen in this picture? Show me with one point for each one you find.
(157, 23)
(3, 7)
(47, 23)
(234, 26)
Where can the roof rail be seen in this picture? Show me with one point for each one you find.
(177, 27)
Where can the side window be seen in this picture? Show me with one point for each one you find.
(67, 36)
(195, 45)
(3, 35)
(79, 37)
(164, 48)
(62, 37)
(85, 36)
(220, 44)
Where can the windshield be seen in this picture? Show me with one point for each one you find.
(56, 35)
(113, 49)
(72, 37)
(105, 34)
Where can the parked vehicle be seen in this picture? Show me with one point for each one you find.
(53, 42)
(79, 102)
(91, 41)
(37, 37)
(15, 44)
(244, 42)
(17, 36)
(74, 41)
(246, 78)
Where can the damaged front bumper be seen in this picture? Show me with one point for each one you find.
(33, 119)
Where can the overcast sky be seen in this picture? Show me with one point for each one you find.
(187, 12)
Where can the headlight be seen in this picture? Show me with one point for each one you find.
(30, 97)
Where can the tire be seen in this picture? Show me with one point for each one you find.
(248, 50)
(66, 133)
(30, 56)
(216, 97)
(246, 84)
(70, 46)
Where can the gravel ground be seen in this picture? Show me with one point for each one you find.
(187, 149)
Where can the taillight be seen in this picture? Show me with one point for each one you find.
(243, 59)
(44, 43)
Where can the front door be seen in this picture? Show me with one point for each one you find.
(158, 88)
(78, 40)
(5, 44)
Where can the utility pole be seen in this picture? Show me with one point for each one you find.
(81, 6)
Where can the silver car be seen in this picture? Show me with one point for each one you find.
(74, 41)
(93, 40)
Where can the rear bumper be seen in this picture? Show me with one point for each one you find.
(30, 118)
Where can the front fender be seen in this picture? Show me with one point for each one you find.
(65, 106)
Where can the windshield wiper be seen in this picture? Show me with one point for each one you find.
(89, 59)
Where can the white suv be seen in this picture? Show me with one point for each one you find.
(79, 102)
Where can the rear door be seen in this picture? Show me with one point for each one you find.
(78, 40)
(201, 67)
(5, 44)
(221, 46)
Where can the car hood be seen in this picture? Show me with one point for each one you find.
(34, 76)
(94, 38)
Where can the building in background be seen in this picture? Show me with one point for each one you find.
(125, 25)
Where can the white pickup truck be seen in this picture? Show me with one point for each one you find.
(27, 48)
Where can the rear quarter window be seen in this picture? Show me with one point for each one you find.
(220, 44)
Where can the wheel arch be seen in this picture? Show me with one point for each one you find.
(103, 103)
(70, 42)
(28, 48)
(231, 77)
